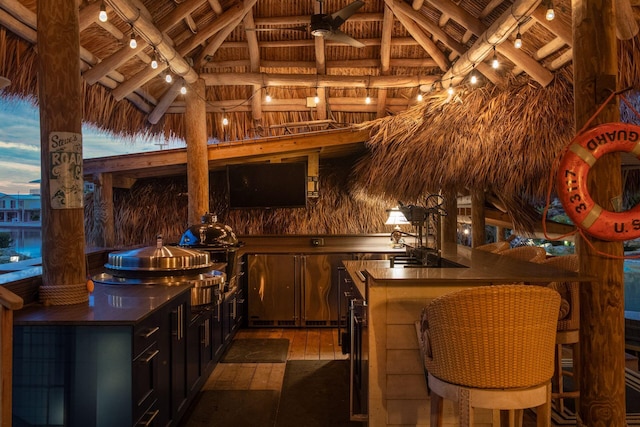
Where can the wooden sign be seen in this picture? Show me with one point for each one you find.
(65, 170)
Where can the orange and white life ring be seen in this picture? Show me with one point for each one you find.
(585, 150)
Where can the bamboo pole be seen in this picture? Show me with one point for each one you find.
(601, 363)
(60, 100)
(103, 209)
(197, 161)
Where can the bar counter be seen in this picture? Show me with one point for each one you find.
(395, 298)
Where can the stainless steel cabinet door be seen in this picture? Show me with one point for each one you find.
(320, 288)
(272, 283)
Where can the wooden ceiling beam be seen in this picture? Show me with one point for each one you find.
(385, 58)
(355, 63)
(306, 80)
(416, 32)
(161, 42)
(114, 61)
(555, 26)
(181, 12)
(321, 70)
(212, 46)
(165, 102)
(499, 31)
(298, 20)
(254, 61)
(396, 41)
(223, 151)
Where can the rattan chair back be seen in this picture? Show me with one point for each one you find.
(569, 320)
(526, 253)
(499, 336)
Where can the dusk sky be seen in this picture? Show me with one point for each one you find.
(20, 146)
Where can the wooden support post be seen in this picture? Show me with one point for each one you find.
(478, 233)
(8, 303)
(602, 374)
(103, 210)
(312, 174)
(197, 160)
(450, 222)
(60, 100)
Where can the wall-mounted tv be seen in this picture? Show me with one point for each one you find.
(267, 185)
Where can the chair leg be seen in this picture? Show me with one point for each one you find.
(436, 410)
(543, 412)
(557, 378)
(464, 408)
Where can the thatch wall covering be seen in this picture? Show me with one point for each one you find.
(159, 206)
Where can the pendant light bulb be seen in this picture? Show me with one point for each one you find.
(225, 121)
(267, 97)
(316, 99)
(183, 89)
(550, 12)
(518, 42)
(132, 42)
(102, 16)
(450, 89)
(367, 100)
(474, 78)
(168, 78)
(495, 64)
(419, 97)
(154, 62)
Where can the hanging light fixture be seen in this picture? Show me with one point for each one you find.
(316, 98)
(474, 78)
(168, 78)
(154, 61)
(450, 88)
(183, 89)
(267, 96)
(550, 12)
(102, 16)
(132, 41)
(494, 63)
(419, 97)
(225, 121)
(518, 41)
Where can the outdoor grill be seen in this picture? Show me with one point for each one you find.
(216, 239)
(167, 265)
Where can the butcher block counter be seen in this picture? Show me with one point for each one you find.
(397, 392)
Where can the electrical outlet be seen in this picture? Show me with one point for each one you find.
(317, 241)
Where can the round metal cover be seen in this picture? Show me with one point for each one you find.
(159, 259)
(210, 233)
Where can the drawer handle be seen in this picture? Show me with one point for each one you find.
(150, 356)
(152, 416)
(150, 332)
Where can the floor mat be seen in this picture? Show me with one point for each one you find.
(257, 350)
(233, 408)
(632, 380)
(315, 393)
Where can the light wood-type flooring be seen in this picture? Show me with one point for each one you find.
(304, 344)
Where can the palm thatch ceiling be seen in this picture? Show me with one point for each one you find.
(499, 133)
(245, 50)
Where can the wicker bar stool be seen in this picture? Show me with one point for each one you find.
(567, 331)
(526, 253)
(491, 347)
(495, 247)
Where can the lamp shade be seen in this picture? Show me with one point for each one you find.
(395, 217)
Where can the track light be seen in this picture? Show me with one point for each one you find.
(132, 42)
(102, 16)
(550, 12)
(518, 41)
(494, 63)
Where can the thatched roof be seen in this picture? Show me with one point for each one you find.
(500, 135)
(243, 49)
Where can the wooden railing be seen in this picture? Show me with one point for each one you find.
(8, 303)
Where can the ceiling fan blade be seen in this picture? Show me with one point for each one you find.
(340, 37)
(343, 14)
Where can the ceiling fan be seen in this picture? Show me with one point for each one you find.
(327, 25)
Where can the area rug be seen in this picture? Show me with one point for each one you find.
(237, 408)
(315, 393)
(257, 350)
(632, 380)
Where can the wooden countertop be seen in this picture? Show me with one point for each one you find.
(107, 305)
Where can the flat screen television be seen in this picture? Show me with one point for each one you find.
(267, 185)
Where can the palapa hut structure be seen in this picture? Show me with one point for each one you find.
(495, 140)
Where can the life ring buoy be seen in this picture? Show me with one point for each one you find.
(585, 150)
